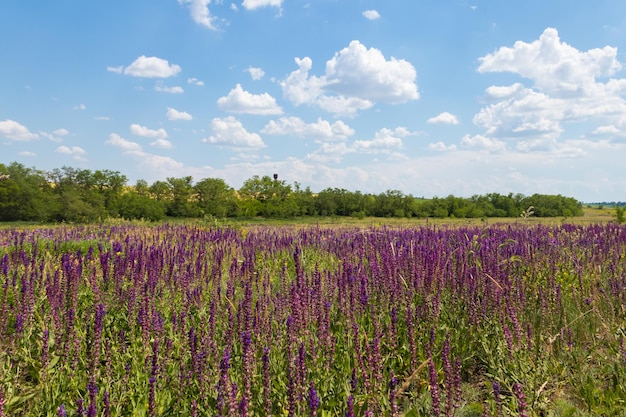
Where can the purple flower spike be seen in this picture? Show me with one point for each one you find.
(314, 401)
(350, 407)
(61, 411)
(521, 400)
(496, 394)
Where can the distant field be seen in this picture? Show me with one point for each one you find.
(591, 216)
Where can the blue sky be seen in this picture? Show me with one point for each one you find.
(429, 98)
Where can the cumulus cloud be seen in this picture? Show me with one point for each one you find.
(496, 92)
(569, 86)
(75, 152)
(480, 142)
(13, 130)
(441, 147)
(371, 14)
(354, 79)
(146, 160)
(256, 4)
(27, 154)
(143, 131)
(343, 106)
(321, 130)
(151, 67)
(255, 73)
(173, 114)
(165, 89)
(162, 143)
(444, 118)
(229, 131)
(117, 70)
(61, 132)
(123, 144)
(329, 152)
(378, 145)
(300, 88)
(195, 81)
(356, 71)
(606, 130)
(80, 106)
(384, 141)
(554, 66)
(200, 13)
(240, 101)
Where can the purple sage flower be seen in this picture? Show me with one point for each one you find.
(313, 399)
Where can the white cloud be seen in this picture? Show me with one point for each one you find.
(371, 14)
(298, 87)
(255, 73)
(156, 163)
(356, 71)
(27, 154)
(165, 89)
(606, 130)
(554, 66)
(441, 147)
(529, 116)
(50, 136)
(11, 129)
(343, 106)
(503, 92)
(80, 106)
(255, 4)
(355, 79)
(195, 81)
(75, 152)
(567, 89)
(330, 152)
(377, 145)
(102, 118)
(229, 131)
(240, 101)
(480, 142)
(151, 67)
(162, 143)
(444, 118)
(61, 132)
(384, 140)
(117, 70)
(143, 131)
(123, 144)
(200, 13)
(146, 160)
(173, 114)
(320, 130)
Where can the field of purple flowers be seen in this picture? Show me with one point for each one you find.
(182, 320)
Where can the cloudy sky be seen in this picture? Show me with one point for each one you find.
(427, 97)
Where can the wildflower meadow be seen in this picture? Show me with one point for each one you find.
(191, 320)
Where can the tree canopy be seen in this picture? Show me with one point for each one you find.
(81, 195)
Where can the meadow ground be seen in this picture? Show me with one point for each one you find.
(327, 317)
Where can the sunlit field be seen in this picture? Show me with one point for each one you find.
(330, 318)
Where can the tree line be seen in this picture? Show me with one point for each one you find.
(82, 195)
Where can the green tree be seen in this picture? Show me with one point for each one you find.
(271, 195)
(78, 196)
(182, 203)
(25, 194)
(216, 198)
(133, 205)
